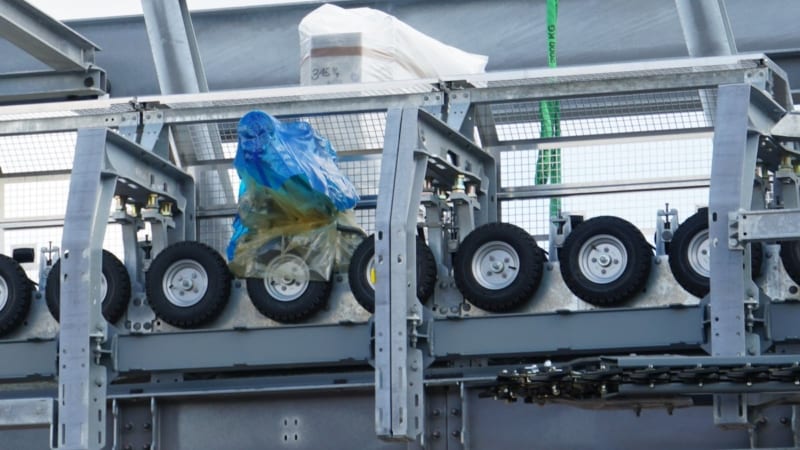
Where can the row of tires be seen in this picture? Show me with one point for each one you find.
(498, 267)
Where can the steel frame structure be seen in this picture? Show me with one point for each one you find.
(417, 371)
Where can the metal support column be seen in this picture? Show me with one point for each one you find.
(399, 392)
(105, 164)
(706, 27)
(732, 170)
(180, 71)
(82, 378)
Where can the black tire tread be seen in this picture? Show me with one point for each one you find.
(514, 295)
(691, 281)
(790, 257)
(313, 300)
(363, 292)
(694, 283)
(631, 282)
(114, 306)
(19, 295)
(212, 303)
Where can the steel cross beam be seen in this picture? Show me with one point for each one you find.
(45, 38)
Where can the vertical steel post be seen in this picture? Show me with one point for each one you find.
(399, 393)
(81, 378)
(732, 169)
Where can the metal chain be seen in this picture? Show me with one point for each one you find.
(597, 378)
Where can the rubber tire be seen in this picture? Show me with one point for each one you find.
(693, 282)
(118, 288)
(513, 296)
(211, 303)
(790, 257)
(312, 300)
(633, 278)
(19, 293)
(359, 262)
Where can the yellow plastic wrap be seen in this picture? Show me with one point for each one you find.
(293, 200)
(297, 221)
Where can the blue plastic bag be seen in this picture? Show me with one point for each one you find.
(271, 152)
(292, 197)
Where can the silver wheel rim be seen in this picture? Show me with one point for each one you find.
(370, 273)
(603, 259)
(3, 293)
(287, 278)
(185, 283)
(495, 265)
(103, 286)
(699, 255)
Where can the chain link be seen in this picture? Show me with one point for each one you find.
(597, 378)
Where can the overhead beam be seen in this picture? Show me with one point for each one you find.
(51, 85)
(706, 27)
(45, 38)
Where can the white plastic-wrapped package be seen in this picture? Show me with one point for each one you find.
(363, 44)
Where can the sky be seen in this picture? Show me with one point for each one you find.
(83, 9)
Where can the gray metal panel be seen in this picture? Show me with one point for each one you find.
(344, 421)
(610, 330)
(264, 48)
(268, 347)
(26, 412)
(297, 421)
(783, 320)
(31, 359)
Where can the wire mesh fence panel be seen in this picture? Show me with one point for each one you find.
(30, 197)
(583, 117)
(597, 163)
(366, 219)
(363, 171)
(215, 232)
(639, 208)
(43, 152)
(351, 132)
(217, 186)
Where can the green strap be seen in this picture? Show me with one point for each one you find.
(548, 164)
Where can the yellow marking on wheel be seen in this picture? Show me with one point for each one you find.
(373, 276)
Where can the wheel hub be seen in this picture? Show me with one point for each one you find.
(699, 254)
(185, 283)
(288, 277)
(603, 259)
(3, 293)
(372, 273)
(495, 265)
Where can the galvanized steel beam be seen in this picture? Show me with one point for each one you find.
(45, 38)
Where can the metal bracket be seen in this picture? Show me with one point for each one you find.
(459, 112)
(666, 224)
(761, 226)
